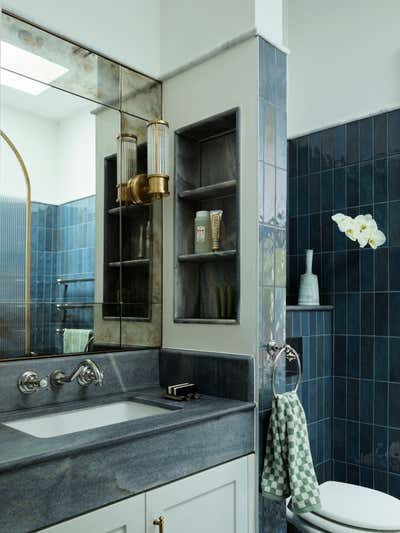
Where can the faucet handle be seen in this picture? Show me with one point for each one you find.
(30, 382)
(90, 373)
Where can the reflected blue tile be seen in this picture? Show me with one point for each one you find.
(353, 399)
(340, 395)
(381, 448)
(394, 485)
(394, 359)
(366, 401)
(339, 134)
(327, 149)
(367, 314)
(394, 224)
(353, 185)
(394, 262)
(367, 477)
(339, 443)
(327, 190)
(394, 306)
(339, 189)
(381, 313)
(352, 437)
(381, 256)
(315, 152)
(394, 450)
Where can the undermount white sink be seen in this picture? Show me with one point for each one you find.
(54, 425)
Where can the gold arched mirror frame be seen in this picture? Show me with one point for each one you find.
(28, 240)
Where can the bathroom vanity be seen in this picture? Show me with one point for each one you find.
(120, 455)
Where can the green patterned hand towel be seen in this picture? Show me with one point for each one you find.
(288, 467)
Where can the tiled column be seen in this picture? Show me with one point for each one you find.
(272, 243)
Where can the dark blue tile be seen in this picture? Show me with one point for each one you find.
(394, 405)
(292, 158)
(394, 485)
(381, 480)
(381, 350)
(327, 190)
(303, 195)
(327, 229)
(394, 178)
(394, 224)
(367, 314)
(339, 136)
(340, 356)
(353, 142)
(366, 401)
(313, 357)
(381, 217)
(380, 180)
(340, 265)
(315, 232)
(315, 152)
(339, 471)
(353, 438)
(394, 262)
(339, 442)
(394, 359)
(367, 357)
(305, 323)
(313, 395)
(381, 269)
(339, 199)
(353, 271)
(366, 139)
(394, 450)
(302, 155)
(381, 313)
(303, 234)
(353, 356)
(340, 397)
(381, 403)
(353, 399)
(327, 149)
(394, 306)
(380, 135)
(367, 477)
(380, 448)
(328, 398)
(366, 444)
(341, 314)
(367, 269)
(366, 183)
(315, 193)
(394, 132)
(353, 474)
(353, 185)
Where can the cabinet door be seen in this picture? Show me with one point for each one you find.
(123, 517)
(218, 500)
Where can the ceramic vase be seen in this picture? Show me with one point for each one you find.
(309, 289)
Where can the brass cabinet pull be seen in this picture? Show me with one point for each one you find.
(160, 523)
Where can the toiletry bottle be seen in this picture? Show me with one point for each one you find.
(202, 232)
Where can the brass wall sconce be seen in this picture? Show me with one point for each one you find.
(142, 189)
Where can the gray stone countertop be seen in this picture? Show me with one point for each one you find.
(18, 449)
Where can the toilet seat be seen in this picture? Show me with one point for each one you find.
(346, 508)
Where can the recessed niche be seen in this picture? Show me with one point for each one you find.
(207, 178)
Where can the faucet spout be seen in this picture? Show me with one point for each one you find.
(85, 374)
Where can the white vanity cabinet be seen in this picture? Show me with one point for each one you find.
(218, 500)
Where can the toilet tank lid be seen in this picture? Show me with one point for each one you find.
(359, 507)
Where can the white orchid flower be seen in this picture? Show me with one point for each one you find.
(377, 238)
(362, 228)
(347, 225)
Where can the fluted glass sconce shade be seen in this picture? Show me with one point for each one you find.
(127, 157)
(157, 158)
(126, 164)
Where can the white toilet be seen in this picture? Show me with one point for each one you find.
(349, 508)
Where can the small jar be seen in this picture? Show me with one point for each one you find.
(202, 232)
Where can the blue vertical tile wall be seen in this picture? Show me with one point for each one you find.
(63, 246)
(272, 162)
(310, 333)
(357, 166)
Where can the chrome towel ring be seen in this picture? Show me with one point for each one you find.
(290, 354)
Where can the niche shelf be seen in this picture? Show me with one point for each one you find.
(207, 178)
(127, 274)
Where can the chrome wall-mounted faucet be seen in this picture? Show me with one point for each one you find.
(85, 374)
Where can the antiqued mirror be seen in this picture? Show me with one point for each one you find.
(80, 269)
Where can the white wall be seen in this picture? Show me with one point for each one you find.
(127, 31)
(344, 62)
(59, 156)
(226, 81)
